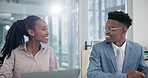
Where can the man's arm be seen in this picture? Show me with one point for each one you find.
(142, 65)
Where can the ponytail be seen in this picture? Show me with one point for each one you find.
(14, 38)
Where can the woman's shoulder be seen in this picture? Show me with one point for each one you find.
(49, 48)
(18, 48)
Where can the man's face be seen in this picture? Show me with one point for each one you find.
(115, 31)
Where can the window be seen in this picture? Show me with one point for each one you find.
(64, 36)
(97, 15)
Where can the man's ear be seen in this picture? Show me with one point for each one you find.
(31, 32)
(124, 30)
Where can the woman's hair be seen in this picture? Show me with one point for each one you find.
(15, 35)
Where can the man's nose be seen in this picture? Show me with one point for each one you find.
(107, 31)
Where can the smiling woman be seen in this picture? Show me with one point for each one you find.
(30, 56)
(62, 19)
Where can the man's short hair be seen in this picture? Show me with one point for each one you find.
(120, 17)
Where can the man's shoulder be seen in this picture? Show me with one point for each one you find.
(101, 44)
(133, 44)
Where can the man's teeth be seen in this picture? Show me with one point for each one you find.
(107, 36)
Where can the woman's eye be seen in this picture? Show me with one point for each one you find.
(43, 29)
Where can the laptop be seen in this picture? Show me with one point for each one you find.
(71, 73)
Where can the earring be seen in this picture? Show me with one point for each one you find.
(33, 35)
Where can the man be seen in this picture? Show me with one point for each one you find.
(117, 57)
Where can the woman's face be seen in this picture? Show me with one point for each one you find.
(41, 31)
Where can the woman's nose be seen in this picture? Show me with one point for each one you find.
(47, 33)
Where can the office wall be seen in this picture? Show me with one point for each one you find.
(139, 14)
(140, 21)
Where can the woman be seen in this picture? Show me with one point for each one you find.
(31, 56)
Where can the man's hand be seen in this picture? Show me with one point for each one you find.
(135, 74)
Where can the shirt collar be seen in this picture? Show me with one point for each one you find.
(115, 47)
(24, 46)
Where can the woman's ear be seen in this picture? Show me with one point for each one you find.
(31, 32)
